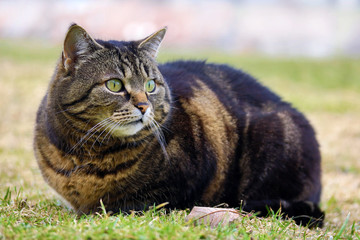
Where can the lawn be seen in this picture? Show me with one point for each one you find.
(326, 90)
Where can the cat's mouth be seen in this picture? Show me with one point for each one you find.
(135, 122)
(141, 119)
(128, 128)
(123, 125)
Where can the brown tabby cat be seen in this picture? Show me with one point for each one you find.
(116, 126)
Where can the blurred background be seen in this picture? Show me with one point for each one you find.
(315, 28)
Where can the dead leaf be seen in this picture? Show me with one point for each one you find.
(212, 216)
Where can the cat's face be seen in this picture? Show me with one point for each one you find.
(113, 88)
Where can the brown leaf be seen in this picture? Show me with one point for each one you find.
(212, 216)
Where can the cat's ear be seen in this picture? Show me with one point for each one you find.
(77, 43)
(152, 42)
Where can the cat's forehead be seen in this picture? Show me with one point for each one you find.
(123, 60)
(125, 49)
(132, 64)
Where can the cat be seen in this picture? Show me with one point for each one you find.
(117, 127)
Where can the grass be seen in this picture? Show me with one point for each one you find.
(327, 90)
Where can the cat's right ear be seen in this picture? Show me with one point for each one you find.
(77, 43)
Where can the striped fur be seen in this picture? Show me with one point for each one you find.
(211, 134)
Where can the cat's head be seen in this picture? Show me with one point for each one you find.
(112, 87)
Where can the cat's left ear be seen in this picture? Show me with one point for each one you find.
(152, 43)
(77, 43)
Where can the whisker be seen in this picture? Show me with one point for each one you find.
(117, 124)
(89, 134)
(159, 129)
(96, 140)
(156, 128)
(163, 127)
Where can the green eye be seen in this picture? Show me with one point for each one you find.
(114, 85)
(150, 86)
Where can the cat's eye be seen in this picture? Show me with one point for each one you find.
(114, 85)
(150, 86)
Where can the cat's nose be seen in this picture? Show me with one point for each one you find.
(142, 106)
(140, 100)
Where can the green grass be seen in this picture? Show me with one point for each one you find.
(327, 90)
(28, 51)
(47, 219)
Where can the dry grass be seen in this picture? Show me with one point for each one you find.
(23, 83)
(339, 135)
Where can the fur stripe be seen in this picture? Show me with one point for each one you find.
(80, 99)
(89, 169)
(48, 163)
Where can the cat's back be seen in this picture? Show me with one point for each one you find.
(233, 87)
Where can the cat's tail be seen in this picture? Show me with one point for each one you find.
(304, 213)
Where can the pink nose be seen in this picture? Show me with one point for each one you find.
(140, 100)
(142, 106)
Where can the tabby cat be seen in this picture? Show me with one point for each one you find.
(115, 126)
